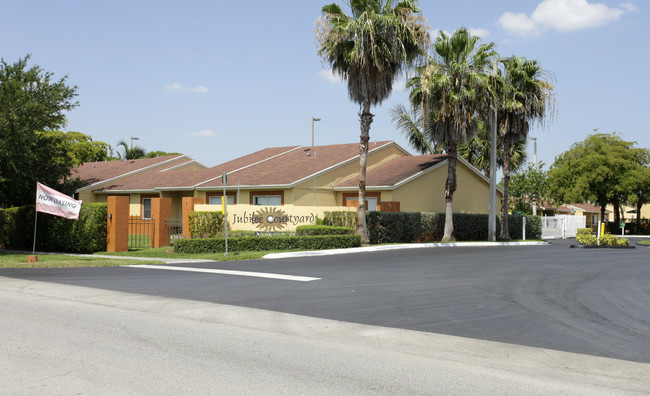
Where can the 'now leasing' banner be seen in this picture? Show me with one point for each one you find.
(48, 200)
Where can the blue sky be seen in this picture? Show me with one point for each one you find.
(217, 80)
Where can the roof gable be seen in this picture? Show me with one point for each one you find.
(396, 171)
(94, 173)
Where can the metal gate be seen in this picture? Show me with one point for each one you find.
(141, 232)
(174, 230)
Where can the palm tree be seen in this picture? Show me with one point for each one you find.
(449, 92)
(370, 49)
(129, 153)
(525, 95)
(476, 151)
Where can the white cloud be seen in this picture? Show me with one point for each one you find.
(562, 16)
(482, 33)
(330, 76)
(175, 87)
(205, 132)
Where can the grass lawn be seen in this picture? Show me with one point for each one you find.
(164, 252)
(644, 243)
(19, 260)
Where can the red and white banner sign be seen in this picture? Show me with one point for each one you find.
(48, 200)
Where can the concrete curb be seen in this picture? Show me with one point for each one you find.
(330, 252)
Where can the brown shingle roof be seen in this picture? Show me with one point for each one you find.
(585, 207)
(294, 165)
(395, 171)
(94, 172)
(270, 166)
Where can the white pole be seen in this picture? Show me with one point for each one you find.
(598, 237)
(524, 229)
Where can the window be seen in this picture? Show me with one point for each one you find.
(271, 200)
(373, 199)
(594, 219)
(372, 202)
(146, 208)
(216, 199)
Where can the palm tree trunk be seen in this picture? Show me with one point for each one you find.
(366, 119)
(450, 187)
(505, 233)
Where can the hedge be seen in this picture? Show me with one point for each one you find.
(217, 245)
(85, 235)
(206, 224)
(405, 227)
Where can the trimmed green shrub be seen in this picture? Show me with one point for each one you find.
(341, 219)
(605, 240)
(405, 227)
(217, 245)
(583, 231)
(206, 224)
(323, 230)
(85, 235)
(515, 227)
(586, 239)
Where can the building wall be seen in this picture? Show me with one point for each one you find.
(285, 218)
(427, 193)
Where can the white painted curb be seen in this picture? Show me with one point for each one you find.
(330, 252)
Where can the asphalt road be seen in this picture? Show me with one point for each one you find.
(588, 301)
(62, 340)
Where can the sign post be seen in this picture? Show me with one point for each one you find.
(224, 208)
(623, 228)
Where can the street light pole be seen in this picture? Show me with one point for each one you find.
(312, 129)
(132, 139)
(534, 139)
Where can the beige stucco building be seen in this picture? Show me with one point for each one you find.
(294, 176)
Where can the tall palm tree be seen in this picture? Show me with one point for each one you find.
(449, 92)
(128, 153)
(370, 49)
(525, 96)
(476, 151)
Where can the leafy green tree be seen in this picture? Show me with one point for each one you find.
(448, 93)
(594, 170)
(529, 187)
(154, 154)
(79, 147)
(129, 153)
(31, 101)
(370, 48)
(639, 189)
(525, 96)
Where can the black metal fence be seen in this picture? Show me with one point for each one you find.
(174, 230)
(141, 232)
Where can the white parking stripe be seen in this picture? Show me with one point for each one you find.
(228, 272)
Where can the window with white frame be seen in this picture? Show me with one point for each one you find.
(146, 208)
(270, 200)
(216, 200)
(372, 202)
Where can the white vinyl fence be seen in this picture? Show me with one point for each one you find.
(563, 226)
